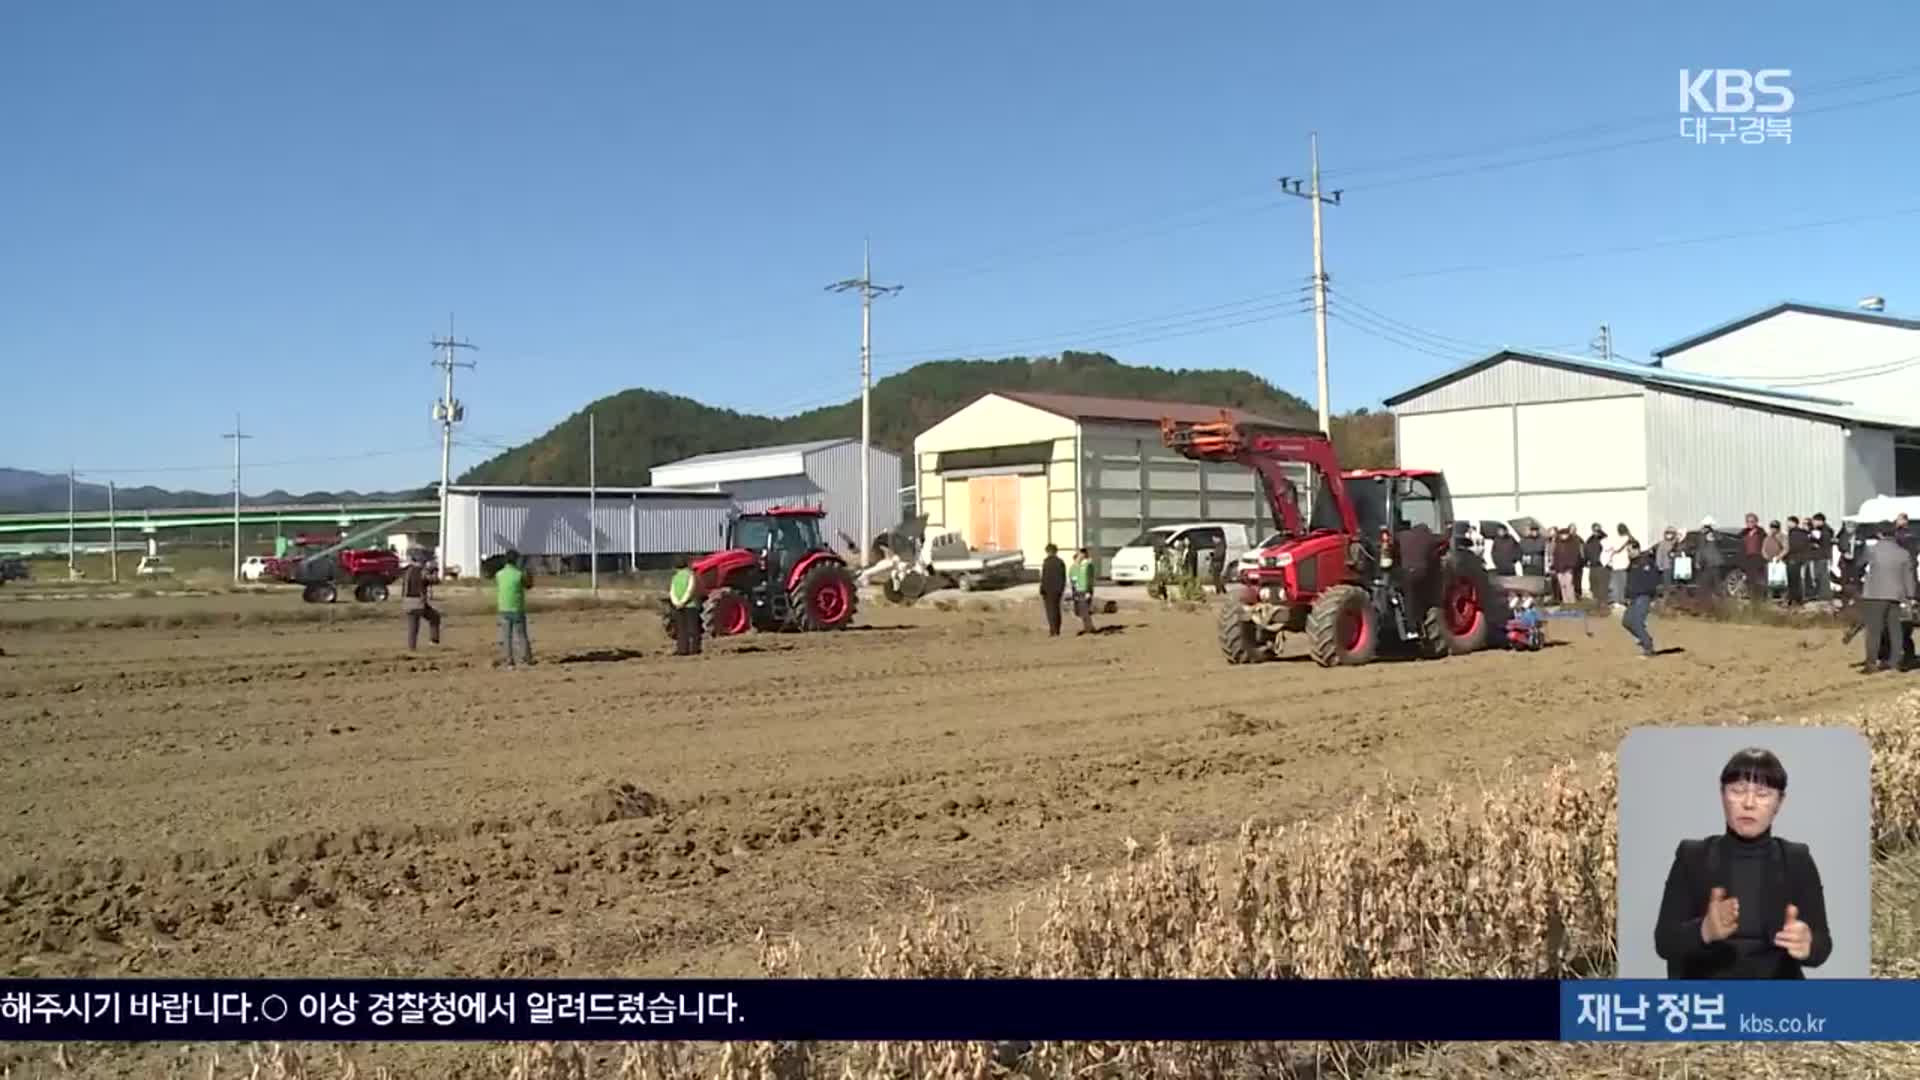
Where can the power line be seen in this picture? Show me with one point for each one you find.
(1632, 249)
(238, 437)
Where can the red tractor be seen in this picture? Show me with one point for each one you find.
(1340, 577)
(777, 573)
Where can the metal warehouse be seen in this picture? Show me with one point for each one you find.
(1014, 470)
(1572, 440)
(631, 526)
(824, 474)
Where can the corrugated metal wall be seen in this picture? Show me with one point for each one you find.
(835, 472)
(1872, 467)
(1713, 457)
(1513, 382)
(557, 525)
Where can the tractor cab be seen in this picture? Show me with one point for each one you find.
(1398, 499)
(778, 538)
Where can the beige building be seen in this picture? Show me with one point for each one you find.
(1015, 470)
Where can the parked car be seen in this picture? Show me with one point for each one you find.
(1133, 563)
(13, 570)
(1250, 560)
(254, 567)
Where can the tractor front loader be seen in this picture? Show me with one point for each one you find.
(1339, 577)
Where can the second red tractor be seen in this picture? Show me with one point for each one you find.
(1338, 577)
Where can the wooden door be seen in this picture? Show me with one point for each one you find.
(993, 519)
(1006, 513)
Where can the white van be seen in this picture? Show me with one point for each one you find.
(1133, 564)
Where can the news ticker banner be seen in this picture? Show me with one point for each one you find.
(625, 1010)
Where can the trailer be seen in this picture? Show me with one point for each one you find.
(908, 564)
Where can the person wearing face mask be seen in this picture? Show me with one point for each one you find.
(1745, 904)
(1663, 553)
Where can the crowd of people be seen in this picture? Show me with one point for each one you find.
(1868, 568)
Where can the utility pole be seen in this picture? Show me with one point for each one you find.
(1604, 343)
(238, 437)
(1291, 185)
(113, 539)
(70, 565)
(448, 412)
(868, 290)
(593, 511)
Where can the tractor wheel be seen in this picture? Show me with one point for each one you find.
(1341, 629)
(370, 590)
(724, 613)
(1461, 621)
(362, 593)
(1240, 639)
(319, 592)
(825, 599)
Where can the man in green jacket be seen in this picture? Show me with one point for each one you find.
(1080, 578)
(684, 595)
(510, 601)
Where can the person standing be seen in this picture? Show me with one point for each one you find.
(1820, 542)
(1620, 551)
(1080, 576)
(1708, 560)
(1566, 565)
(1799, 554)
(1753, 559)
(1217, 564)
(1639, 582)
(1887, 586)
(1053, 585)
(1506, 552)
(1533, 551)
(510, 585)
(684, 595)
(416, 599)
(1663, 553)
(1773, 549)
(1593, 556)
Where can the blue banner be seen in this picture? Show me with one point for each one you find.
(1811, 1010)
(626, 1010)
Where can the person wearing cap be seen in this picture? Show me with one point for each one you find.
(683, 594)
(1663, 553)
(416, 599)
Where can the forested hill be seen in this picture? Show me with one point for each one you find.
(638, 429)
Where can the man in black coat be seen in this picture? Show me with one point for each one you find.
(1053, 585)
(1745, 904)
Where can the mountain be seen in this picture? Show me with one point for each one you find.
(23, 491)
(638, 429)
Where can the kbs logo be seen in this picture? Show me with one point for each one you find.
(1735, 90)
(1720, 104)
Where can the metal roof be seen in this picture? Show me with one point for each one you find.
(581, 492)
(1781, 308)
(1131, 410)
(757, 452)
(1683, 382)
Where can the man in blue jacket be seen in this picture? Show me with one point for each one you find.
(1643, 581)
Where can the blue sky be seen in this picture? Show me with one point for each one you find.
(220, 208)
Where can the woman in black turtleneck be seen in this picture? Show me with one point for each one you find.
(1744, 904)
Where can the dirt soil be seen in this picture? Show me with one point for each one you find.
(312, 800)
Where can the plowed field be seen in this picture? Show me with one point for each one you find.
(310, 799)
